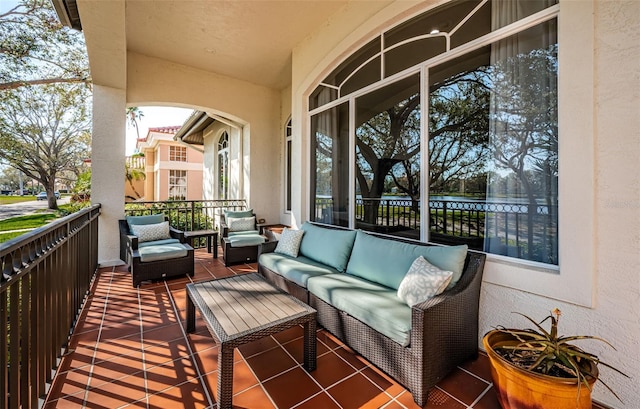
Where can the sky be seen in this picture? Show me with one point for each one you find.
(154, 117)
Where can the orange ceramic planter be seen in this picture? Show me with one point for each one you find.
(521, 389)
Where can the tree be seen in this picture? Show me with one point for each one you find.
(45, 130)
(458, 128)
(133, 174)
(134, 114)
(10, 179)
(36, 49)
(82, 189)
(389, 138)
(388, 143)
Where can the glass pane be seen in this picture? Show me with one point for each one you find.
(493, 163)
(443, 19)
(366, 75)
(177, 184)
(476, 26)
(505, 12)
(330, 166)
(344, 70)
(388, 159)
(223, 166)
(412, 53)
(322, 95)
(288, 204)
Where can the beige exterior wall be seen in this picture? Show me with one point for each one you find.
(255, 108)
(597, 286)
(157, 148)
(285, 114)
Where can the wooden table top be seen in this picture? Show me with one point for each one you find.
(243, 304)
(196, 233)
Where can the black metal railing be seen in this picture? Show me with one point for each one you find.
(500, 227)
(187, 215)
(46, 277)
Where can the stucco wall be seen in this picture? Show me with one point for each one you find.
(108, 168)
(285, 114)
(611, 110)
(158, 82)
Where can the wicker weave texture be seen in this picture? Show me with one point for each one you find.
(444, 331)
(153, 270)
(244, 308)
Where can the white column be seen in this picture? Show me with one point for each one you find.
(108, 150)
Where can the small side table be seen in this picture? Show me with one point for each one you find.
(212, 239)
(271, 231)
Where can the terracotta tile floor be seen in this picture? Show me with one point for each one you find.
(130, 350)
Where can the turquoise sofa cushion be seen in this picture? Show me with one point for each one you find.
(157, 242)
(244, 240)
(328, 246)
(148, 219)
(377, 306)
(162, 252)
(298, 269)
(386, 262)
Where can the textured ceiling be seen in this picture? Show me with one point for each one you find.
(248, 40)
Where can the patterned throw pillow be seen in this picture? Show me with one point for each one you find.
(289, 242)
(423, 281)
(151, 232)
(241, 223)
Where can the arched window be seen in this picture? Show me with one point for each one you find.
(453, 116)
(223, 166)
(287, 155)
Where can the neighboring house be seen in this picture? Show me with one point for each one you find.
(173, 170)
(302, 85)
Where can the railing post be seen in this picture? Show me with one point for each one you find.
(193, 214)
(444, 216)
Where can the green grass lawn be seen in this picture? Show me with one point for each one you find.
(33, 221)
(30, 221)
(15, 199)
(8, 236)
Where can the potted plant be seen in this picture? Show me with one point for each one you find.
(539, 368)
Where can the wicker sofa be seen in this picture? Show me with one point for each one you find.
(442, 331)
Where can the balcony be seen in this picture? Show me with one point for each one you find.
(129, 348)
(112, 345)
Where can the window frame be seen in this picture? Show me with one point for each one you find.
(288, 143)
(173, 177)
(177, 153)
(576, 200)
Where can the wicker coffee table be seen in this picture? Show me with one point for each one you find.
(244, 308)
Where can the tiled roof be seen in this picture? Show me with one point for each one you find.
(166, 129)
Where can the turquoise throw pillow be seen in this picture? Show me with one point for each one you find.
(328, 246)
(386, 262)
(238, 213)
(148, 219)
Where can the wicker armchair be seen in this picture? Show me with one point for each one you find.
(158, 259)
(240, 245)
